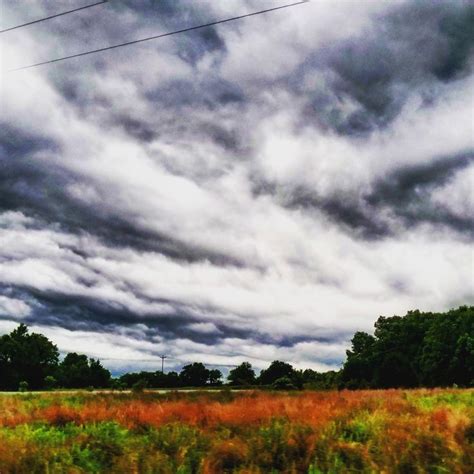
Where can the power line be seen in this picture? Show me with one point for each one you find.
(162, 357)
(53, 16)
(127, 359)
(149, 38)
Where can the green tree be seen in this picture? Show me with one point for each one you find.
(320, 380)
(172, 380)
(74, 371)
(215, 377)
(275, 371)
(242, 375)
(26, 356)
(359, 369)
(418, 349)
(194, 375)
(77, 371)
(462, 363)
(99, 376)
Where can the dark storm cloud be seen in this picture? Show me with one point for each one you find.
(177, 14)
(399, 187)
(406, 192)
(17, 143)
(40, 191)
(208, 94)
(418, 46)
(344, 210)
(137, 128)
(85, 313)
(80, 312)
(102, 27)
(170, 101)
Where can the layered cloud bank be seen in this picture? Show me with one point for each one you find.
(257, 190)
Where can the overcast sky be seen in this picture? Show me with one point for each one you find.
(256, 190)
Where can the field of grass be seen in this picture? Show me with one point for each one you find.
(392, 431)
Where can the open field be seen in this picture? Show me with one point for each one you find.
(392, 431)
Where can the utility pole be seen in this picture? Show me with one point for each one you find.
(163, 357)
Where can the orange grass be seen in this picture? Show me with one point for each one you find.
(310, 408)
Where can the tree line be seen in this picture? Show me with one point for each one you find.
(415, 350)
(31, 361)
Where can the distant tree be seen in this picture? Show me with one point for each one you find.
(393, 370)
(99, 376)
(26, 356)
(242, 375)
(74, 371)
(117, 384)
(447, 352)
(139, 386)
(130, 379)
(153, 379)
(418, 349)
(462, 363)
(275, 371)
(194, 375)
(172, 380)
(77, 371)
(215, 377)
(23, 386)
(320, 380)
(358, 369)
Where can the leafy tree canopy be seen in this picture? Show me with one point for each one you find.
(277, 370)
(418, 349)
(242, 375)
(26, 357)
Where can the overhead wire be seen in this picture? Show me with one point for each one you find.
(156, 360)
(162, 35)
(39, 20)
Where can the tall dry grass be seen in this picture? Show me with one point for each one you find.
(349, 431)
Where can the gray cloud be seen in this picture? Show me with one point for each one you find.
(407, 190)
(404, 194)
(418, 46)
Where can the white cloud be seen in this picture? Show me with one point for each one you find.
(13, 307)
(458, 194)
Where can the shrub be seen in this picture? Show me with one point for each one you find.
(50, 382)
(284, 383)
(139, 386)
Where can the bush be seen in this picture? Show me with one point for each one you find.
(50, 382)
(139, 386)
(284, 383)
(23, 386)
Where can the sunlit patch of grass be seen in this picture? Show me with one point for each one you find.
(429, 399)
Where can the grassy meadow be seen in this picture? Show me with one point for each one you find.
(390, 431)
